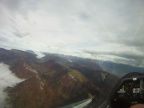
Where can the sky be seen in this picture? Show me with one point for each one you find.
(100, 29)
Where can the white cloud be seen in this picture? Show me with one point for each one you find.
(7, 79)
(39, 55)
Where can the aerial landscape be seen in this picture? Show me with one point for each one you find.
(54, 53)
(53, 81)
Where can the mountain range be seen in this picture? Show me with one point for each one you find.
(55, 80)
(119, 69)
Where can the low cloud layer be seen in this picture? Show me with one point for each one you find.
(130, 57)
(39, 55)
(73, 27)
(7, 79)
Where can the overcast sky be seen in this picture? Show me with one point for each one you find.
(102, 29)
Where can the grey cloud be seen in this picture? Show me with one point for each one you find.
(134, 36)
(84, 16)
(25, 17)
(10, 4)
(21, 34)
(18, 6)
(129, 55)
(3, 39)
(102, 22)
(13, 22)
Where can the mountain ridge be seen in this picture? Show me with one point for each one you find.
(53, 81)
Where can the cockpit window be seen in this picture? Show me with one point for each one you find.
(60, 53)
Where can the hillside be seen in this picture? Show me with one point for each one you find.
(51, 83)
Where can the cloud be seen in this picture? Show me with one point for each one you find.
(12, 5)
(128, 54)
(7, 79)
(74, 26)
(39, 55)
(129, 57)
(3, 39)
(20, 34)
